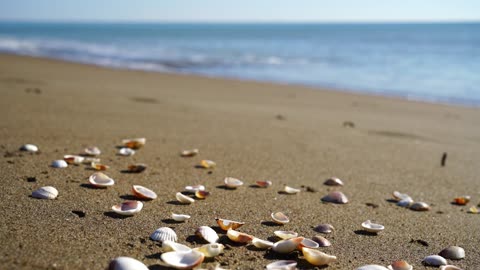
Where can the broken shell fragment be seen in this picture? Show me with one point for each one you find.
(434, 260)
(400, 265)
(280, 218)
(291, 190)
(324, 228)
(239, 237)
(193, 189)
(92, 151)
(335, 197)
(231, 182)
(126, 263)
(463, 200)
(287, 246)
(73, 159)
(207, 233)
(308, 243)
(89, 160)
(317, 258)
(180, 217)
(285, 234)
(128, 208)
(143, 192)
(183, 260)
(169, 245)
(29, 148)
(322, 241)
(164, 234)
(202, 194)
(211, 250)
(420, 206)
(372, 227)
(100, 180)
(450, 267)
(189, 153)
(453, 253)
(98, 166)
(134, 143)
(263, 184)
(473, 210)
(48, 193)
(207, 164)
(282, 265)
(137, 168)
(226, 224)
(372, 267)
(184, 198)
(334, 181)
(59, 163)
(261, 244)
(125, 151)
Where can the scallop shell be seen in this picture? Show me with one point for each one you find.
(308, 243)
(193, 189)
(183, 260)
(280, 218)
(231, 182)
(324, 228)
(189, 153)
(73, 159)
(100, 180)
(184, 198)
(335, 197)
(434, 260)
(282, 265)
(47, 192)
(287, 246)
(134, 143)
(92, 151)
(128, 208)
(263, 184)
(420, 206)
(226, 224)
(169, 245)
(400, 265)
(261, 244)
(125, 151)
(202, 194)
(453, 253)
(207, 233)
(29, 148)
(322, 241)
(137, 168)
(164, 234)
(463, 200)
(334, 181)
(372, 227)
(372, 267)
(239, 237)
(450, 267)
(285, 234)
(317, 258)
(98, 166)
(180, 217)
(59, 163)
(143, 192)
(207, 164)
(126, 263)
(291, 190)
(211, 250)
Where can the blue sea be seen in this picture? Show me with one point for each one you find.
(428, 62)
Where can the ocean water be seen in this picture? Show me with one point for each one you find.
(429, 62)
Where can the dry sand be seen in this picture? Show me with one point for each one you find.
(395, 145)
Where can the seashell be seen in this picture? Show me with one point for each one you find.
(420, 206)
(48, 193)
(450, 267)
(372, 227)
(134, 143)
(183, 260)
(405, 202)
(322, 241)
(180, 217)
(73, 159)
(169, 245)
(335, 197)
(29, 148)
(184, 198)
(285, 234)
(137, 168)
(239, 237)
(280, 218)
(128, 208)
(261, 244)
(207, 164)
(164, 234)
(59, 163)
(291, 190)
(189, 153)
(400, 265)
(307, 243)
(287, 246)
(324, 228)
(231, 182)
(316, 257)
(400, 196)
(124, 151)
(202, 194)
(473, 210)
(193, 189)
(211, 250)
(282, 265)
(334, 181)
(92, 151)
(453, 253)
(226, 224)
(100, 180)
(143, 192)
(89, 160)
(207, 233)
(434, 260)
(463, 200)
(263, 184)
(372, 267)
(126, 263)
(98, 166)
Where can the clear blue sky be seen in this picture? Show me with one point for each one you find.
(241, 10)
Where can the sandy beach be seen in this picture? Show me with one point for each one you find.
(291, 135)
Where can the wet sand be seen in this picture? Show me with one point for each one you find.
(290, 135)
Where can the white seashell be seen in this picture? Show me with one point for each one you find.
(334, 181)
(287, 246)
(420, 206)
(29, 148)
(89, 160)
(189, 153)
(180, 217)
(316, 257)
(453, 253)
(280, 218)
(92, 151)
(128, 208)
(143, 192)
(183, 260)
(372, 227)
(47, 192)
(405, 202)
(169, 245)
(231, 182)
(207, 164)
(282, 265)
(434, 260)
(211, 250)
(372, 267)
(285, 234)
(322, 241)
(207, 233)
(124, 151)
(264, 184)
(193, 189)
(134, 143)
(73, 159)
(261, 244)
(335, 197)
(226, 224)
(59, 163)
(184, 198)
(100, 180)
(400, 196)
(239, 237)
(308, 243)
(450, 267)
(324, 228)
(291, 190)
(126, 263)
(400, 265)
(164, 234)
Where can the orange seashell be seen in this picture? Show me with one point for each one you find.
(461, 200)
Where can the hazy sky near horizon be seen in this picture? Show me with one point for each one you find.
(241, 11)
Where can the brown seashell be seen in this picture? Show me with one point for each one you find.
(201, 194)
(137, 168)
(322, 241)
(99, 167)
(335, 197)
(226, 224)
(324, 228)
(400, 265)
(334, 181)
(463, 200)
(420, 206)
(263, 184)
(239, 237)
(134, 143)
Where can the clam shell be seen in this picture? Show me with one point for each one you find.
(29, 148)
(184, 198)
(280, 218)
(169, 245)
(420, 206)
(322, 241)
(317, 258)
(89, 160)
(453, 253)
(100, 180)
(193, 189)
(285, 234)
(124, 151)
(137, 168)
(143, 192)
(434, 260)
(287, 246)
(372, 227)
(126, 263)
(473, 210)
(372, 267)
(261, 244)
(308, 243)
(405, 202)
(334, 181)
(335, 197)
(164, 234)
(183, 260)
(207, 164)
(239, 237)
(128, 208)
(92, 151)
(98, 166)
(226, 224)
(211, 250)
(291, 190)
(450, 267)
(282, 265)
(189, 153)
(231, 182)
(73, 159)
(135, 143)
(48, 193)
(324, 228)
(207, 233)
(202, 194)
(263, 184)
(400, 265)
(463, 200)
(400, 196)
(180, 217)
(59, 163)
